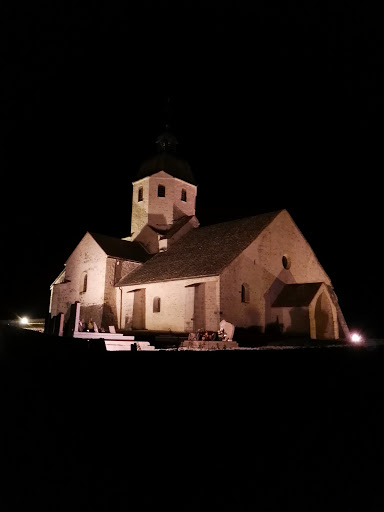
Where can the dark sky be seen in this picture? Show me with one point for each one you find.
(278, 105)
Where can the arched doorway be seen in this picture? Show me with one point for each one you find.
(324, 318)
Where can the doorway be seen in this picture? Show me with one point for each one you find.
(324, 318)
(138, 310)
(194, 307)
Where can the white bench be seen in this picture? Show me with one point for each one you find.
(105, 335)
(113, 340)
(127, 345)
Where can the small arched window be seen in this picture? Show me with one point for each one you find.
(161, 191)
(156, 305)
(84, 282)
(286, 260)
(244, 292)
(140, 194)
(183, 195)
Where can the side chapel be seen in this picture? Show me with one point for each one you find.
(168, 274)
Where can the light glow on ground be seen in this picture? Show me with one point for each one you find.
(356, 338)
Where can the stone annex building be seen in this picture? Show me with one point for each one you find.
(169, 275)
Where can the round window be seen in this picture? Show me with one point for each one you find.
(286, 262)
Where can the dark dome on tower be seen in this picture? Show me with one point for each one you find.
(167, 161)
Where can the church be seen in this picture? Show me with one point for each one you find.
(169, 274)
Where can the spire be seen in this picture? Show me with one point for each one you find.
(166, 141)
(167, 111)
(166, 158)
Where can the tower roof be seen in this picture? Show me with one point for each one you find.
(166, 160)
(168, 163)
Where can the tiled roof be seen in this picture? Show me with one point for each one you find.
(296, 295)
(118, 248)
(168, 163)
(203, 251)
(178, 224)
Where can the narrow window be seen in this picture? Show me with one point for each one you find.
(161, 191)
(286, 262)
(84, 282)
(244, 292)
(184, 195)
(140, 194)
(156, 305)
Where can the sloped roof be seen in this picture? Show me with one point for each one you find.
(203, 251)
(296, 295)
(168, 163)
(178, 224)
(118, 248)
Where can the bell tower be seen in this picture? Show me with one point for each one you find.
(164, 193)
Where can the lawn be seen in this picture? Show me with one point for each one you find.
(235, 430)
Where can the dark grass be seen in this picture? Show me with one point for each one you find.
(85, 429)
(246, 337)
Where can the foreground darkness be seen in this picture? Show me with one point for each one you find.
(189, 431)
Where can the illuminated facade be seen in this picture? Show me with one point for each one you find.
(171, 274)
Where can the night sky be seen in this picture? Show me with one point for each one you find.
(279, 105)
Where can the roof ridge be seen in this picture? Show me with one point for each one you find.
(211, 254)
(108, 236)
(243, 218)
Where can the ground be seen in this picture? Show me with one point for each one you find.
(241, 430)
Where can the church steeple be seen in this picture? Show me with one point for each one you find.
(167, 160)
(166, 141)
(164, 195)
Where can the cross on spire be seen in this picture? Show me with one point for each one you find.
(166, 141)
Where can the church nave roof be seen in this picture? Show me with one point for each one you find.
(118, 248)
(203, 251)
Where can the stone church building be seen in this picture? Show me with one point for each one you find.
(171, 274)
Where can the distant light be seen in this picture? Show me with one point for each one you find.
(356, 338)
(24, 320)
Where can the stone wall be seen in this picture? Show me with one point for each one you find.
(115, 270)
(160, 212)
(139, 208)
(90, 258)
(173, 304)
(261, 267)
(245, 271)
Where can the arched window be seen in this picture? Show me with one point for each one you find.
(161, 191)
(244, 292)
(83, 282)
(183, 195)
(156, 305)
(286, 260)
(140, 194)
